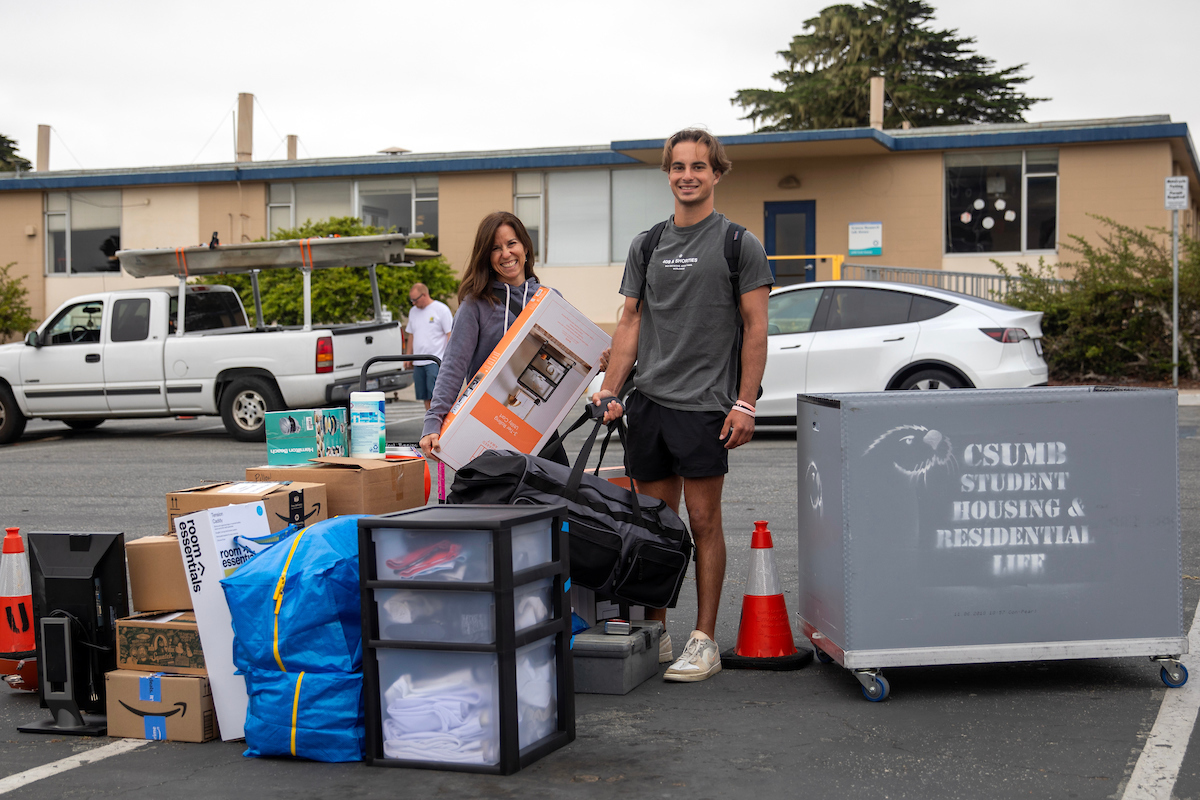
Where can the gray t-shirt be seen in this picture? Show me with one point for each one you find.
(688, 336)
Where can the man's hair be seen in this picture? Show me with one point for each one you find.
(716, 151)
(420, 289)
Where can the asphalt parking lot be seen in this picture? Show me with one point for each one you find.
(1048, 729)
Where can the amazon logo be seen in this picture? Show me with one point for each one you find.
(181, 711)
(296, 515)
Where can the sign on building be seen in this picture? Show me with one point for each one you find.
(1176, 194)
(866, 239)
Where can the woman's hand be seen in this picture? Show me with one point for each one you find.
(429, 445)
(604, 359)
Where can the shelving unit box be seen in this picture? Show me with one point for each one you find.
(466, 637)
(955, 527)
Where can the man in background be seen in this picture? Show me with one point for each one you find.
(429, 324)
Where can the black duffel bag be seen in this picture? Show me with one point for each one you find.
(624, 545)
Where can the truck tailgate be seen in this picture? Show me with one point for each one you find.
(354, 344)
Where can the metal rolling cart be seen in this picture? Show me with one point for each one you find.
(967, 527)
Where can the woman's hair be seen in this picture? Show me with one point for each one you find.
(479, 274)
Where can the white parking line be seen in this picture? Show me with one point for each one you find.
(1157, 768)
(70, 762)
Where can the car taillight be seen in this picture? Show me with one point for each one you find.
(324, 354)
(1006, 335)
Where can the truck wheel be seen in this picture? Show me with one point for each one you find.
(83, 424)
(244, 407)
(12, 421)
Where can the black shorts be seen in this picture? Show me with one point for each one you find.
(665, 442)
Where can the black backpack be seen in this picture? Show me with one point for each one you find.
(733, 257)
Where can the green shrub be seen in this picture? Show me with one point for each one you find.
(339, 294)
(16, 317)
(1112, 322)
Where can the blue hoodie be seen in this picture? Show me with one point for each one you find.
(478, 328)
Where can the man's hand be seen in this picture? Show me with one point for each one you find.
(737, 430)
(408, 365)
(613, 411)
(429, 445)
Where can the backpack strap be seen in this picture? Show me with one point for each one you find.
(733, 257)
(648, 246)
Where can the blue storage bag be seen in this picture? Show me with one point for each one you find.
(313, 715)
(315, 623)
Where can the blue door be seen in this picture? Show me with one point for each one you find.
(791, 230)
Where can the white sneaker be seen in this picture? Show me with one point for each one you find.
(700, 660)
(666, 653)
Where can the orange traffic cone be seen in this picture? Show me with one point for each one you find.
(16, 600)
(764, 638)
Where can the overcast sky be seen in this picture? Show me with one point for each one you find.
(126, 83)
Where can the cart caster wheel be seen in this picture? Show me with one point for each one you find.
(1174, 678)
(822, 656)
(879, 689)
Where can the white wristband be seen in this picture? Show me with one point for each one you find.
(743, 410)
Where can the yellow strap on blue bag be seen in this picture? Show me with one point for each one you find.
(278, 603)
(296, 710)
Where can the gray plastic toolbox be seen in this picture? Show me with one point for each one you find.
(615, 664)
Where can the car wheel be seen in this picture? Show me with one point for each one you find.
(83, 424)
(244, 407)
(931, 379)
(12, 421)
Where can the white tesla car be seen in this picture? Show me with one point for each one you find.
(869, 336)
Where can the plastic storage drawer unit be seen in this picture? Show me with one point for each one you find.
(465, 637)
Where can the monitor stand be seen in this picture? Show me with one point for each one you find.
(58, 686)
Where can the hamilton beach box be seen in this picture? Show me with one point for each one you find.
(988, 526)
(528, 384)
(293, 437)
(608, 663)
(356, 485)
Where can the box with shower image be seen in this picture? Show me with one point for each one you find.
(294, 437)
(528, 385)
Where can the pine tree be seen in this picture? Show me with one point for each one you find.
(9, 160)
(932, 77)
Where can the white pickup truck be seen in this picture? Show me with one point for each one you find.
(113, 354)
(124, 353)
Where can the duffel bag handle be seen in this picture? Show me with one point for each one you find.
(586, 451)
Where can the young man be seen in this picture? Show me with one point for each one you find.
(429, 324)
(689, 408)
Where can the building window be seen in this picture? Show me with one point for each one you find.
(321, 200)
(1005, 202)
(577, 218)
(403, 205)
(83, 232)
(528, 206)
(281, 208)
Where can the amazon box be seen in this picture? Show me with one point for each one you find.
(528, 384)
(156, 577)
(357, 485)
(286, 502)
(174, 708)
(161, 642)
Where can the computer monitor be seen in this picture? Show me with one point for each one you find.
(79, 592)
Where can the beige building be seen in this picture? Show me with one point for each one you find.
(952, 199)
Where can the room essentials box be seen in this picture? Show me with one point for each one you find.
(293, 437)
(528, 384)
(989, 526)
(210, 541)
(160, 643)
(157, 581)
(465, 612)
(286, 502)
(174, 708)
(616, 663)
(357, 485)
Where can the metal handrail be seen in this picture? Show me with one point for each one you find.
(987, 287)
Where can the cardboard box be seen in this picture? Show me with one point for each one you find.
(175, 708)
(210, 553)
(156, 577)
(293, 437)
(285, 504)
(528, 384)
(357, 485)
(161, 642)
